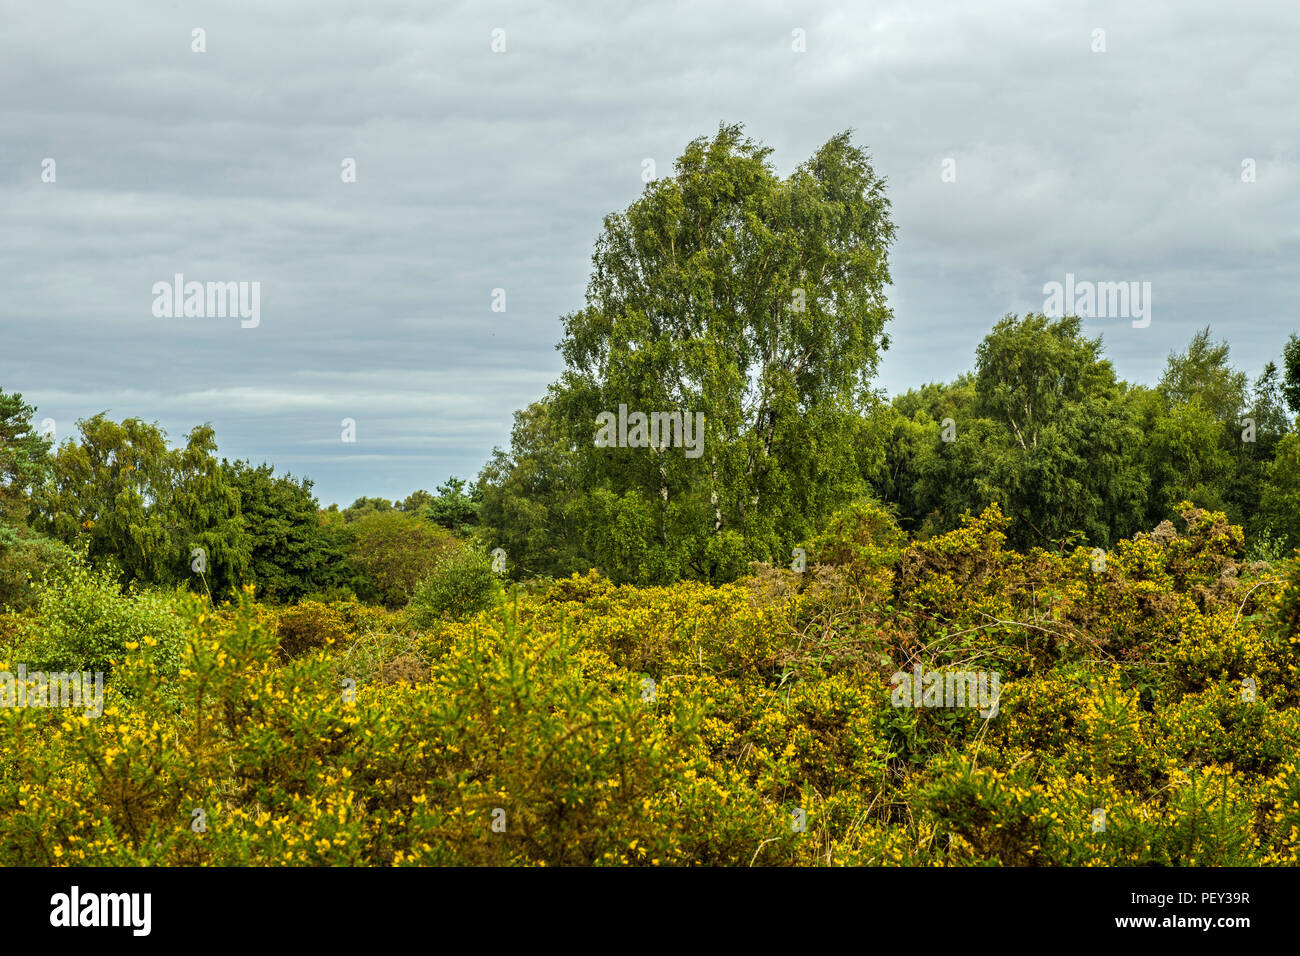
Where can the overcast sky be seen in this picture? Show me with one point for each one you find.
(478, 170)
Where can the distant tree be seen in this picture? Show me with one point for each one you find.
(1268, 407)
(364, 507)
(901, 440)
(907, 431)
(24, 459)
(1291, 373)
(389, 552)
(1279, 507)
(755, 301)
(415, 502)
(1188, 460)
(454, 508)
(285, 535)
(937, 401)
(530, 497)
(1029, 370)
(1264, 424)
(1203, 373)
(1047, 433)
(147, 507)
(335, 575)
(1195, 443)
(24, 466)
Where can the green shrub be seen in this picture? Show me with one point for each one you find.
(460, 584)
(84, 621)
(24, 558)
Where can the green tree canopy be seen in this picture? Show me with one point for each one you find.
(146, 506)
(1203, 373)
(1043, 429)
(24, 466)
(1291, 373)
(390, 552)
(755, 301)
(24, 459)
(453, 508)
(286, 553)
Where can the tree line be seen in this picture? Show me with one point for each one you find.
(757, 302)
(760, 302)
(119, 495)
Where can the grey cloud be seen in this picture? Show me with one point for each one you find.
(478, 171)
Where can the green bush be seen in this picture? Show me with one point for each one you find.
(84, 621)
(24, 557)
(460, 584)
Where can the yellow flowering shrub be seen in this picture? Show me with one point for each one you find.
(1148, 712)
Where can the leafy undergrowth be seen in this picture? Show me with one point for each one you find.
(1149, 713)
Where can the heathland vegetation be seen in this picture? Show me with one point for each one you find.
(677, 634)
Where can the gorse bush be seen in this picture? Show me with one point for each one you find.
(310, 625)
(1148, 714)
